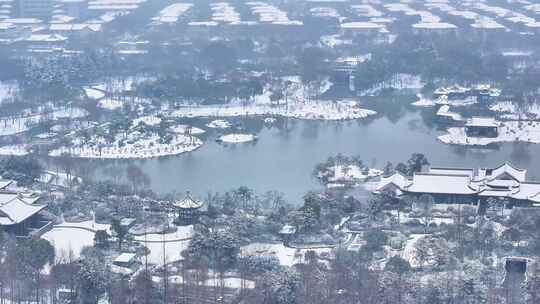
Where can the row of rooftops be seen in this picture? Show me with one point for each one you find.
(502, 181)
(481, 89)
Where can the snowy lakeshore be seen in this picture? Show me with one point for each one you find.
(511, 131)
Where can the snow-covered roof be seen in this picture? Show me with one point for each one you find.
(203, 23)
(440, 183)
(23, 20)
(4, 183)
(68, 26)
(46, 38)
(288, 229)
(507, 169)
(527, 191)
(452, 171)
(396, 179)
(188, 203)
(490, 192)
(482, 122)
(125, 258)
(14, 209)
(444, 111)
(434, 26)
(361, 25)
(487, 23)
(7, 26)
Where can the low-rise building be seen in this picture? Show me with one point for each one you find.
(19, 213)
(188, 209)
(482, 127)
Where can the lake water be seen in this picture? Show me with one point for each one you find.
(284, 156)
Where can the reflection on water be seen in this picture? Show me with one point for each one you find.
(286, 153)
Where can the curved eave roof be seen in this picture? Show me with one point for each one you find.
(188, 203)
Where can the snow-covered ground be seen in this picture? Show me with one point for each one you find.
(233, 283)
(66, 240)
(527, 131)
(174, 242)
(409, 252)
(135, 147)
(8, 90)
(237, 138)
(14, 150)
(423, 102)
(94, 93)
(511, 111)
(58, 178)
(73, 237)
(10, 126)
(456, 102)
(287, 256)
(150, 120)
(88, 225)
(110, 104)
(183, 232)
(172, 252)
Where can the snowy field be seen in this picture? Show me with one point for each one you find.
(175, 243)
(233, 283)
(66, 240)
(173, 251)
(511, 131)
(15, 125)
(182, 233)
(73, 237)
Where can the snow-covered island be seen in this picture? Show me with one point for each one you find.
(316, 110)
(137, 147)
(299, 104)
(236, 138)
(219, 124)
(142, 138)
(510, 131)
(340, 172)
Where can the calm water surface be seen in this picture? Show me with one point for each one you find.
(284, 156)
